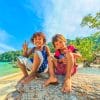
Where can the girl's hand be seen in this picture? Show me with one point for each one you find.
(25, 47)
(65, 51)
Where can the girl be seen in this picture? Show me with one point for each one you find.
(76, 55)
(40, 58)
(62, 63)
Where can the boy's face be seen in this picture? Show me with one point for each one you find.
(38, 41)
(59, 44)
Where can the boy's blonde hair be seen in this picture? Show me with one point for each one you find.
(38, 34)
(58, 36)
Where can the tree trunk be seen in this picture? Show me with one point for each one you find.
(86, 63)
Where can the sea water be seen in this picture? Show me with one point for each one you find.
(7, 68)
(89, 70)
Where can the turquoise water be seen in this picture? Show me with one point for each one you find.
(89, 70)
(7, 69)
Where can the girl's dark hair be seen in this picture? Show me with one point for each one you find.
(56, 37)
(38, 34)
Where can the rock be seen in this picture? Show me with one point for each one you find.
(85, 87)
(15, 95)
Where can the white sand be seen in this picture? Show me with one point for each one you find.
(8, 83)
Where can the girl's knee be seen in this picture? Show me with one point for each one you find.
(19, 63)
(37, 59)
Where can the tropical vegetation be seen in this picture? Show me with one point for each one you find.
(87, 46)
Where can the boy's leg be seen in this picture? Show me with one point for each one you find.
(23, 69)
(35, 67)
(69, 64)
(52, 78)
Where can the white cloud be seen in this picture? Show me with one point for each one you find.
(63, 16)
(4, 39)
(4, 36)
(4, 48)
(66, 16)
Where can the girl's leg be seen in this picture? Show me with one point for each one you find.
(69, 64)
(52, 79)
(35, 67)
(23, 69)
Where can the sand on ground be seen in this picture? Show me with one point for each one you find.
(8, 83)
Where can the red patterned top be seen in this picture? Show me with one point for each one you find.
(61, 68)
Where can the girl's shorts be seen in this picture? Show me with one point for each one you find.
(28, 62)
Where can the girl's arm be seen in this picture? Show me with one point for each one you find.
(27, 53)
(77, 55)
(25, 49)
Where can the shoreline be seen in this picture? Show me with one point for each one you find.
(8, 83)
(8, 76)
(80, 65)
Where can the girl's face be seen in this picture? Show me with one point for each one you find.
(38, 41)
(60, 44)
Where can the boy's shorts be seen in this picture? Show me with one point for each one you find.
(28, 62)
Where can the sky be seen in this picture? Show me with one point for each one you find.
(19, 19)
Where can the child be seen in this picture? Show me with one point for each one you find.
(76, 55)
(62, 63)
(39, 63)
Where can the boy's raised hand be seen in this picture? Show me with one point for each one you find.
(25, 46)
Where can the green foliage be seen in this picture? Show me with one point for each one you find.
(96, 38)
(10, 56)
(87, 47)
(91, 44)
(91, 21)
(51, 47)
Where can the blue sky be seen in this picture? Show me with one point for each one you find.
(19, 19)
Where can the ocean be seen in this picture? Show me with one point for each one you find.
(7, 68)
(89, 70)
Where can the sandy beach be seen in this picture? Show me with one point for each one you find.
(8, 83)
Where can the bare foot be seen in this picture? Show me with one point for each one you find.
(67, 86)
(28, 78)
(51, 80)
